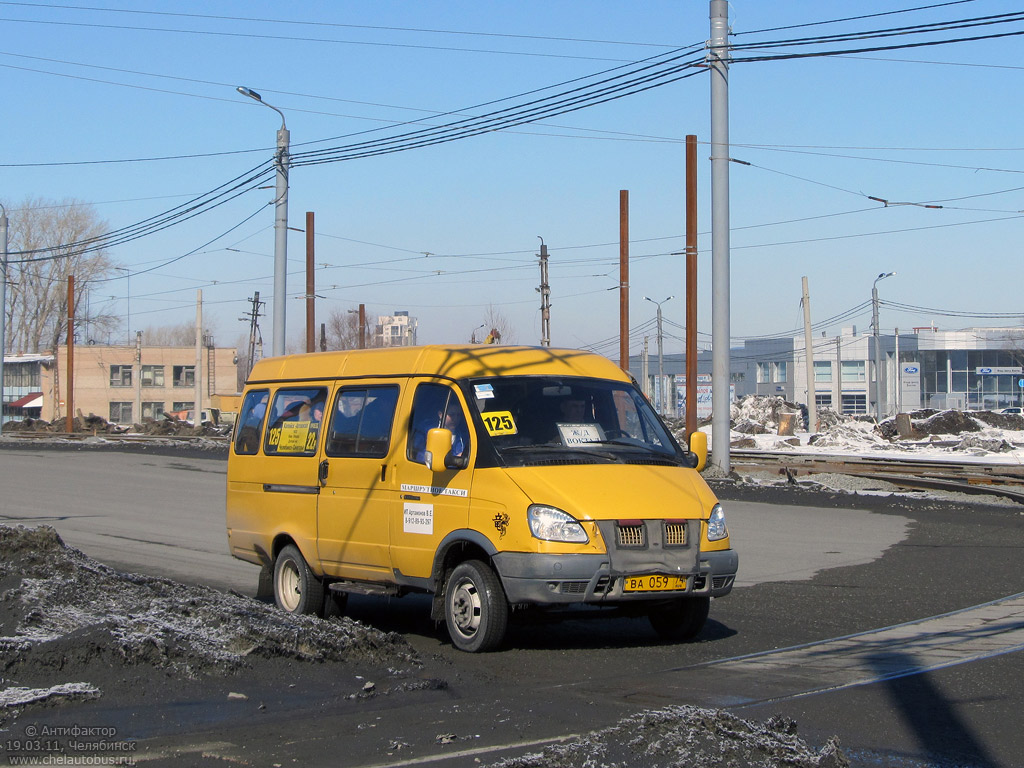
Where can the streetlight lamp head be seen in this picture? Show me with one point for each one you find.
(248, 92)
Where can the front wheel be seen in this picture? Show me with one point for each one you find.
(296, 587)
(475, 608)
(680, 619)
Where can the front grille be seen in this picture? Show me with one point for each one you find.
(602, 585)
(630, 535)
(573, 587)
(675, 534)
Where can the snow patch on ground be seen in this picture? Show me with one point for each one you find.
(62, 612)
(687, 736)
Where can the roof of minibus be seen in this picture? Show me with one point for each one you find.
(456, 362)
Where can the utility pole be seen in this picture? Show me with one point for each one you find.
(812, 405)
(254, 330)
(717, 59)
(362, 326)
(691, 286)
(878, 344)
(3, 308)
(624, 279)
(645, 373)
(69, 419)
(839, 373)
(197, 407)
(662, 391)
(281, 160)
(310, 286)
(545, 297)
(137, 373)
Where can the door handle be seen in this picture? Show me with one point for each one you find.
(322, 471)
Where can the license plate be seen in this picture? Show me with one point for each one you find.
(654, 583)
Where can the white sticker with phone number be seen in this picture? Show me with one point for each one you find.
(418, 518)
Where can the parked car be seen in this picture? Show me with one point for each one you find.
(1018, 411)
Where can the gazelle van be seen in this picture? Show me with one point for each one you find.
(496, 479)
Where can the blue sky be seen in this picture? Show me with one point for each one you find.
(940, 125)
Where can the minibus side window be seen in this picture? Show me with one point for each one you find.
(361, 422)
(294, 422)
(436, 405)
(250, 422)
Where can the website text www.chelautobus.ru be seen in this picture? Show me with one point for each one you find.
(59, 759)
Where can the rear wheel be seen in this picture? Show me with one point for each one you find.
(475, 608)
(680, 619)
(296, 587)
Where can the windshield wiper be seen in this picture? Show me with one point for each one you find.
(560, 449)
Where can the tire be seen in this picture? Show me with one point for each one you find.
(475, 608)
(681, 619)
(296, 587)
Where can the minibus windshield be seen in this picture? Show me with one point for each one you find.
(545, 419)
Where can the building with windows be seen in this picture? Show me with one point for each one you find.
(970, 369)
(123, 384)
(397, 330)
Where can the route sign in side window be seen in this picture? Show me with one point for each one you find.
(293, 426)
(361, 422)
(249, 426)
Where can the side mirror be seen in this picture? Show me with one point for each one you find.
(699, 448)
(439, 448)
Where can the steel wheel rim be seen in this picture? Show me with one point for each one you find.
(466, 608)
(289, 585)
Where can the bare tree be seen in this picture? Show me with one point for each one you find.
(46, 245)
(343, 330)
(498, 328)
(180, 335)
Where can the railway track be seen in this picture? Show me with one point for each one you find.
(991, 478)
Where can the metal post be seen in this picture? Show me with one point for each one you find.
(69, 418)
(280, 226)
(137, 373)
(197, 407)
(717, 58)
(812, 406)
(662, 394)
(310, 286)
(281, 241)
(545, 297)
(3, 308)
(878, 344)
(624, 279)
(691, 286)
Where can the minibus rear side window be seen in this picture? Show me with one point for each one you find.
(294, 421)
(361, 422)
(250, 422)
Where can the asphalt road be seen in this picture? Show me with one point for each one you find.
(814, 568)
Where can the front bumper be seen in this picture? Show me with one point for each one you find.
(536, 579)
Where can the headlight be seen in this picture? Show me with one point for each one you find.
(716, 524)
(552, 524)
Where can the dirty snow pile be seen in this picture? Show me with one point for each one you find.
(756, 422)
(61, 611)
(687, 736)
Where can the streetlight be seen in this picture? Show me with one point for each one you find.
(3, 308)
(280, 225)
(878, 344)
(661, 358)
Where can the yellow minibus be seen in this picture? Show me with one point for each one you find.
(496, 479)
